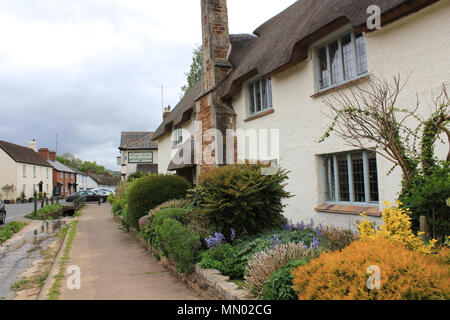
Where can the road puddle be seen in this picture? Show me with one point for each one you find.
(16, 258)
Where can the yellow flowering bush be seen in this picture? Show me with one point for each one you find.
(397, 229)
(404, 274)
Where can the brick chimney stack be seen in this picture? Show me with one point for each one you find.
(166, 112)
(52, 155)
(44, 153)
(216, 41)
(211, 111)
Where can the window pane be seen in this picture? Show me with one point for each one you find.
(269, 92)
(336, 63)
(344, 193)
(323, 68)
(329, 179)
(361, 53)
(258, 96)
(373, 178)
(264, 94)
(358, 178)
(347, 54)
(252, 98)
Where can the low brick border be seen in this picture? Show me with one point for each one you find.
(217, 286)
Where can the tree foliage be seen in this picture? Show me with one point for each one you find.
(195, 73)
(83, 166)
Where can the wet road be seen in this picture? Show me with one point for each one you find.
(15, 212)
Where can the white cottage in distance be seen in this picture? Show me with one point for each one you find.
(277, 78)
(138, 153)
(23, 168)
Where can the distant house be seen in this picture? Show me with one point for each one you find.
(25, 169)
(104, 181)
(138, 153)
(64, 178)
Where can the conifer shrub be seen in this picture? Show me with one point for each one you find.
(240, 197)
(342, 275)
(146, 193)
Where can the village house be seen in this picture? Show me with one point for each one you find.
(275, 80)
(138, 153)
(23, 168)
(64, 178)
(102, 181)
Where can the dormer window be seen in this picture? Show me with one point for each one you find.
(341, 60)
(177, 136)
(260, 96)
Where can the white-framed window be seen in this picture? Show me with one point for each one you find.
(260, 96)
(341, 60)
(177, 135)
(67, 175)
(71, 176)
(61, 175)
(34, 171)
(351, 177)
(24, 171)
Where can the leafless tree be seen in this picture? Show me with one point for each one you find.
(368, 117)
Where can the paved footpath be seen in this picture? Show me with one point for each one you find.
(114, 266)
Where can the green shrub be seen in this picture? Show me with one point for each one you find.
(279, 285)
(111, 198)
(429, 198)
(148, 192)
(181, 245)
(10, 229)
(48, 212)
(118, 205)
(226, 259)
(240, 197)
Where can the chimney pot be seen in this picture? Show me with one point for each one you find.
(32, 145)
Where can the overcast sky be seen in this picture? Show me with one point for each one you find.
(87, 69)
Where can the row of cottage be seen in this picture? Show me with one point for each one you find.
(270, 85)
(29, 170)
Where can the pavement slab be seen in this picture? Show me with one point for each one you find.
(114, 266)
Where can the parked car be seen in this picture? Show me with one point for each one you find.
(107, 190)
(89, 195)
(102, 194)
(2, 213)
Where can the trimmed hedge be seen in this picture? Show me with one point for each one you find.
(146, 193)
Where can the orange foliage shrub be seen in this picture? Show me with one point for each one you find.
(405, 274)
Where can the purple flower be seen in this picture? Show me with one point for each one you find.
(235, 256)
(215, 241)
(287, 227)
(301, 226)
(233, 234)
(315, 244)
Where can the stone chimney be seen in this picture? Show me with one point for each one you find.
(32, 144)
(52, 155)
(216, 42)
(166, 112)
(44, 153)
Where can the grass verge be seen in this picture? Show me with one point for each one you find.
(49, 212)
(10, 229)
(55, 289)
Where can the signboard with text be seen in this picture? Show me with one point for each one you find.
(140, 157)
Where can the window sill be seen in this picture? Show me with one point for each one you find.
(354, 210)
(341, 86)
(260, 114)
